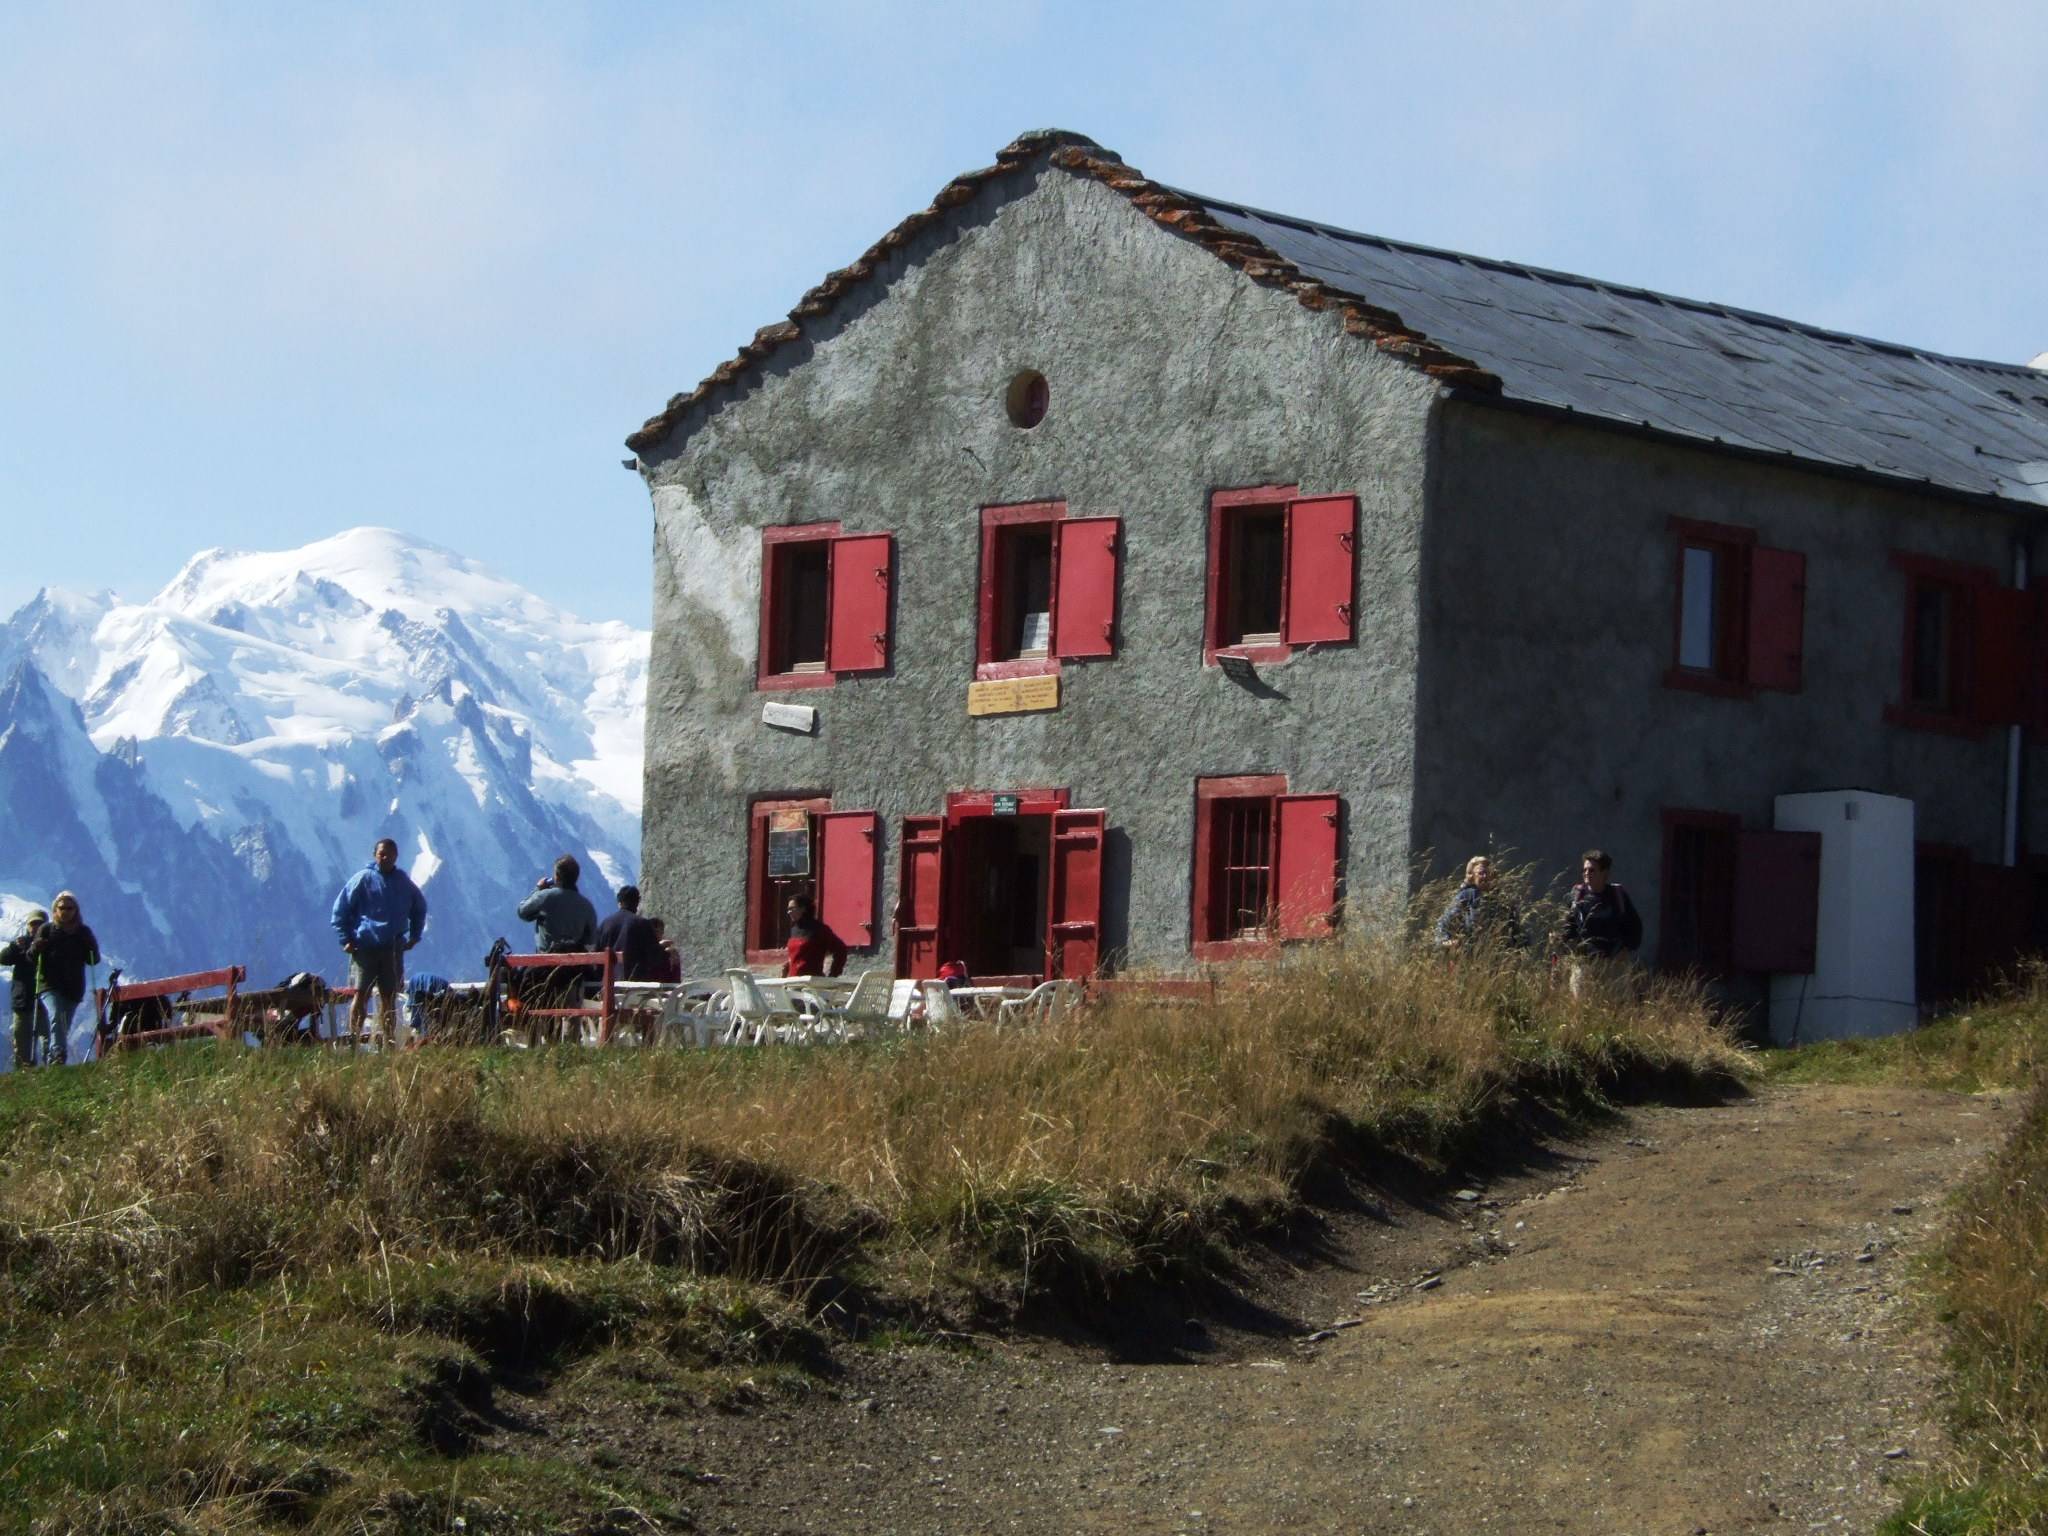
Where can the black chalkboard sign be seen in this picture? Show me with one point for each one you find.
(789, 845)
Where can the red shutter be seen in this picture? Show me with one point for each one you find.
(1073, 943)
(1777, 618)
(1306, 831)
(1998, 920)
(1322, 569)
(859, 638)
(847, 844)
(1998, 658)
(1777, 902)
(1084, 607)
(918, 904)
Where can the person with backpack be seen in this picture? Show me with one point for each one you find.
(1602, 922)
(16, 953)
(63, 950)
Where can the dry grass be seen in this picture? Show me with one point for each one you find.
(1993, 1292)
(427, 1198)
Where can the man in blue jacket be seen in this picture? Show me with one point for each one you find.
(379, 915)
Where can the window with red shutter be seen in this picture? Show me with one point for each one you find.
(847, 845)
(782, 861)
(1963, 661)
(1738, 613)
(825, 604)
(1283, 572)
(1048, 589)
(1266, 865)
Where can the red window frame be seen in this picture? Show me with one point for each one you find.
(1759, 619)
(767, 932)
(1730, 546)
(1224, 860)
(856, 623)
(1712, 948)
(1081, 588)
(1968, 588)
(1333, 618)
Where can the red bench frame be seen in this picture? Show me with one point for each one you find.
(606, 1009)
(108, 998)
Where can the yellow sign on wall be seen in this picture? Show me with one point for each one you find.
(1013, 695)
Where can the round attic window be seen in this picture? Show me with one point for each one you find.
(1027, 399)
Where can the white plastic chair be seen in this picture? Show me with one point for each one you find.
(755, 1020)
(940, 1011)
(866, 1008)
(1044, 1004)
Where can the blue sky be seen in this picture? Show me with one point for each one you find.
(270, 271)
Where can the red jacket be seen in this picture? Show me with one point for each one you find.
(814, 950)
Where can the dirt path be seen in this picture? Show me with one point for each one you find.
(1691, 1323)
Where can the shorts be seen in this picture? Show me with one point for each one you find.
(382, 970)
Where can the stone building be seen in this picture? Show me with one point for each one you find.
(1096, 573)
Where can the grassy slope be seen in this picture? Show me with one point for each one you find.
(246, 1290)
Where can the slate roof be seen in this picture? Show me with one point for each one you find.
(1703, 371)
(1488, 329)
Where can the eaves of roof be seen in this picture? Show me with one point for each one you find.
(1176, 211)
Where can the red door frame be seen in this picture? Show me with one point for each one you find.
(973, 804)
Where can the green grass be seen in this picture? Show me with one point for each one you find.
(1999, 1042)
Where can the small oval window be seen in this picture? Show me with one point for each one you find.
(1027, 399)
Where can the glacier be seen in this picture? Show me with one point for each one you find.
(205, 768)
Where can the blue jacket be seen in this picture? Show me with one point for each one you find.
(380, 911)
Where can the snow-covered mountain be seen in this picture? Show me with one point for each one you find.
(205, 768)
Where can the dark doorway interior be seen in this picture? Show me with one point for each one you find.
(1000, 866)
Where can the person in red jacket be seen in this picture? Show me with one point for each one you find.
(814, 949)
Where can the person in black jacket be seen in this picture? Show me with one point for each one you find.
(16, 953)
(63, 949)
(632, 938)
(1602, 922)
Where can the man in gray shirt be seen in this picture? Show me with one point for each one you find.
(564, 921)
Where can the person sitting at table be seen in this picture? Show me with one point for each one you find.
(814, 949)
(954, 974)
(671, 957)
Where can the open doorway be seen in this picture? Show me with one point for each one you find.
(1007, 882)
(998, 915)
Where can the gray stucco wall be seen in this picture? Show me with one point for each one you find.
(1171, 376)
(1543, 722)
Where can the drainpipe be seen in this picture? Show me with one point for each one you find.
(2011, 847)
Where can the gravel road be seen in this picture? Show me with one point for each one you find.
(1698, 1321)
